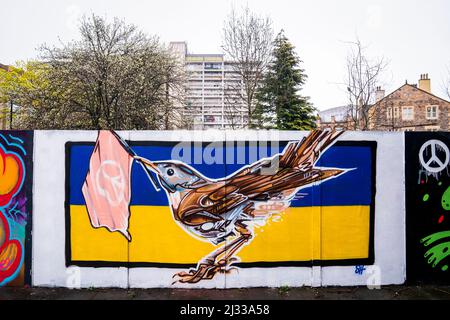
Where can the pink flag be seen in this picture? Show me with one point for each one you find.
(107, 188)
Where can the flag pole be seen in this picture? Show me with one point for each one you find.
(134, 155)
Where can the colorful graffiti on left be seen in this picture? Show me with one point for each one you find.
(15, 205)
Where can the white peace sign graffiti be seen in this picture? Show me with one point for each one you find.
(112, 187)
(442, 163)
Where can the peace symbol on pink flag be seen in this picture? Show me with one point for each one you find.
(107, 188)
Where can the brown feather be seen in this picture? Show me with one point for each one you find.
(296, 169)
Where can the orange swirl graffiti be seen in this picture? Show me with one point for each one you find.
(11, 175)
(10, 252)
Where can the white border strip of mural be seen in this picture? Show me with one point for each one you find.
(50, 268)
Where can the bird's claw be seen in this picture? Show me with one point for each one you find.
(194, 275)
(205, 270)
(226, 262)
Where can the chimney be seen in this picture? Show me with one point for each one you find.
(425, 83)
(379, 94)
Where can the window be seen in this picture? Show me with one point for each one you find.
(402, 129)
(389, 113)
(432, 112)
(408, 113)
(213, 66)
(396, 113)
(209, 118)
(432, 128)
(392, 112)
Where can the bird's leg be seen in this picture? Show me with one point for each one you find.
(245, 237)
(209, 266)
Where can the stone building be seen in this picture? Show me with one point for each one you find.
(335, 118)
(410, 108)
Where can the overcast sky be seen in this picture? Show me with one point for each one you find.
(414, 35)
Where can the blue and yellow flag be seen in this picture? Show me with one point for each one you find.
(327, 224)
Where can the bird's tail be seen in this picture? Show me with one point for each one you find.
(302, 155)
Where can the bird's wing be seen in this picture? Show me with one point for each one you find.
(296, 169)
(208, 203)
(302, 155)
(267, 187)
(201, 206)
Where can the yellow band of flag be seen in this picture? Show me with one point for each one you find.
(298, 234)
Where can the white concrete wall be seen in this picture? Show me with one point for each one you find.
(390, 245)
(48, 257)
(48, 265)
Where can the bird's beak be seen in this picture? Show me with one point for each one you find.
(148, 164)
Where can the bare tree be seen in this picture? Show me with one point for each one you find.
(446, 84)
(114, 77)
(234, 103)
(247, 42)
(362, 78)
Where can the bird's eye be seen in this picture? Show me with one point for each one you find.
(170, 172)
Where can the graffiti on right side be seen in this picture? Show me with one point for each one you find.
(427, 159)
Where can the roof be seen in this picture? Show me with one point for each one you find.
(411, 86)
(334, 109)
(338, 112)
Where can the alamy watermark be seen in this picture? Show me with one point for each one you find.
(240, 150)
(73, 280)
(374, 278)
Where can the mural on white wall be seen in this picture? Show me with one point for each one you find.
(212, 219)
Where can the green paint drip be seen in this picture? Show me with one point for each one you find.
(426, 197)
(444, 268)
(445, 201)
(437, 253)
(434, 237)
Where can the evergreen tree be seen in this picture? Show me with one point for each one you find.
(279, 104)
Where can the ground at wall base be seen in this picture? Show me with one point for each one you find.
(305, 293)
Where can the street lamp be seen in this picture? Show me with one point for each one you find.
(10, 114)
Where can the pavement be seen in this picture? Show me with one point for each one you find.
(284, 293)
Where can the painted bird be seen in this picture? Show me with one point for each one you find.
(224, 210)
